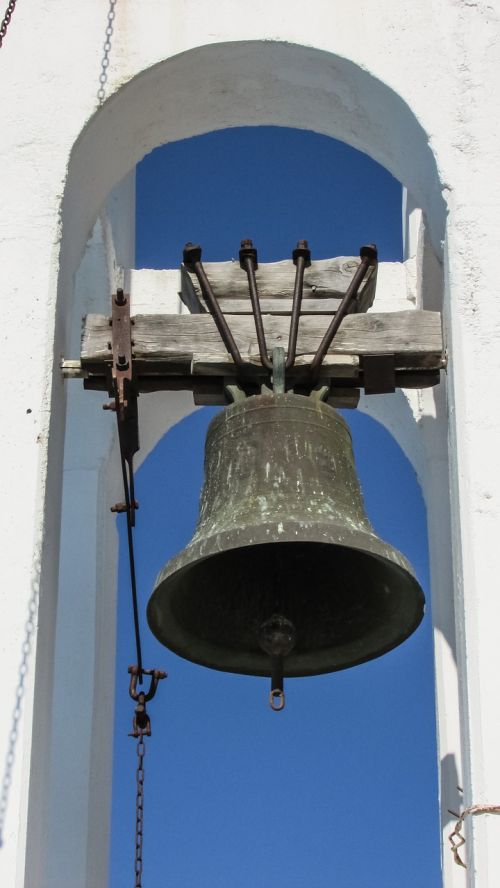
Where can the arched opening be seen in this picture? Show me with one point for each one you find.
(290, 85)
(245, 84)
(228, 781)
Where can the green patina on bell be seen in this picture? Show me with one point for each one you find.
(284, 565)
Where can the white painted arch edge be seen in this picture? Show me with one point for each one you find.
(243, 83)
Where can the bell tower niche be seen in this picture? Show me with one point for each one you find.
(414, 95)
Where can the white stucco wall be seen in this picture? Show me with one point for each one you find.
(413, 88)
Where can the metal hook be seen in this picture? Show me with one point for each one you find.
(156, 676)
(277, 695)
(141, 724)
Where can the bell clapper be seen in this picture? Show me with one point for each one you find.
(277, 637)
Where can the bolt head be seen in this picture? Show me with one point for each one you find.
(302, 249)
(248, 251)
(191, 253)
(369, 252)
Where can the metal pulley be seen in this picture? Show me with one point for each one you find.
(284, 575)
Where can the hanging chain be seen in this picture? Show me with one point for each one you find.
(141, 727)
(139, 810)
(29, 631)
(103, 76)
(6, 19)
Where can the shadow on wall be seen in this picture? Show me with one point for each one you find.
(450, 780)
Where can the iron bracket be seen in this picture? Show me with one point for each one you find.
(121, 349)
(278, 363)
(121, 386)
(121, 377)
(379, 374)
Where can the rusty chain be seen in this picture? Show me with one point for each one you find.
(139, 810)
(103, 76)
(141, 728)
(456, 839)
(6, 19)
(26, 648)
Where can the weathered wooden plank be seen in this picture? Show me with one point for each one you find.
(343, 398)
(212, 386)
(325, 280)
(342, 366)
(168, 343)
(281, 306)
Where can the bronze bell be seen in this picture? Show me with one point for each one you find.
(284, 573)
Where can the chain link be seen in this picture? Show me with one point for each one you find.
(139, 810)
(103, 76)
(29, 631)
(6, 19)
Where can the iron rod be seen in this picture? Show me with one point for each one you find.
(296, 306)
(247, 263)
(217, 314)
(131, 556)
(128, 489)
(368, 258)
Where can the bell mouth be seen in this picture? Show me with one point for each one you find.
(347, 603)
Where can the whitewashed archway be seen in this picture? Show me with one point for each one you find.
(206, 89)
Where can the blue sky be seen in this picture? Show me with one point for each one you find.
(340, 788)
